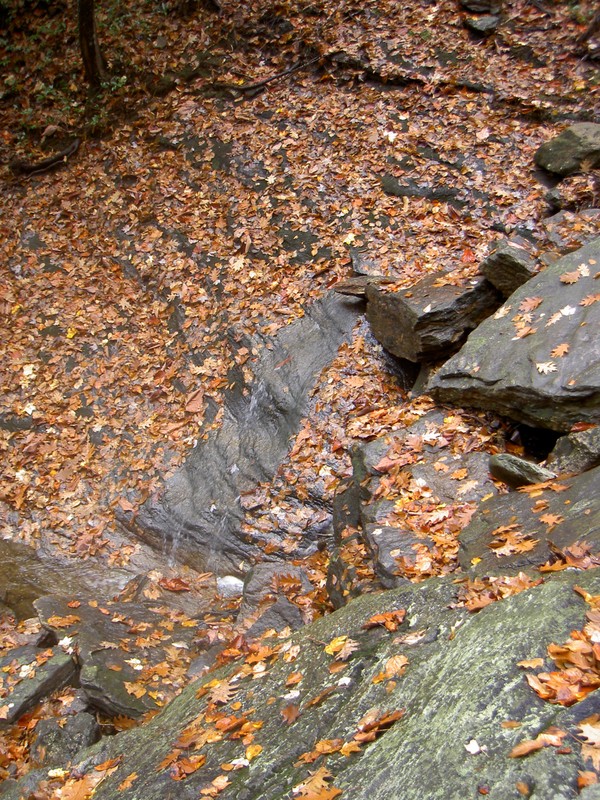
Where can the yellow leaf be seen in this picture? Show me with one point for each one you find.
(253, 750)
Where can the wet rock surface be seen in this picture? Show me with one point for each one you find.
(511, 363)
(516, 471)
(133, 654)
(510, 265)
(197, 518)
(576, 452)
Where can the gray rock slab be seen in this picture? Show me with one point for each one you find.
(58, 741)
(509, 266)
(132, 657)
(527, 527)
(515, 471)
(460, 683)
(26, 575)
(392, 548)
(565, 153)
(576, 452)
(197, 519)
(28, 675)
(431, 319)
(509, 363)
(483, 26)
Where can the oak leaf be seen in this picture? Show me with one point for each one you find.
(560, 350)
(545, 367)
(589, 300)
(570, 277)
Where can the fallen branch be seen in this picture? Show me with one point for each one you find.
(19, 167)
(257, 85)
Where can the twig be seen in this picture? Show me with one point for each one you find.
(253, 87)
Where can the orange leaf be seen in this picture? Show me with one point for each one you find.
(174, 584)
(570, 277)
(128, 782)
(290, 713)
(560, 350)
(389, 619)
(530, 303)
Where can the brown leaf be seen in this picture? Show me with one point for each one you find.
(174, 584)
(63, 622)
(570, 277)
(560, 350)
(128, 782)
(290, 713)
(589, 300)
(530, 303)
(389, 620)
(195, 402)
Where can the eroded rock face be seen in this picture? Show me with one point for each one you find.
(461, 675)
(537, 359)
(520, 531)
(565, 153)
(431, 319)
(197, 518)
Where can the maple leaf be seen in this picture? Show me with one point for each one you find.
(551, 519)
(530, 303)
(560, 350)
(135, 688)
(545, 367)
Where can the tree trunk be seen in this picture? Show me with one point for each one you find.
(93, 61)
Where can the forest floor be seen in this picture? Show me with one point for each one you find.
(198, 209)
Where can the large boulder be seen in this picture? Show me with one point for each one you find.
(567, 152)
(432, 318)
(426, 700)
(537, 359)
